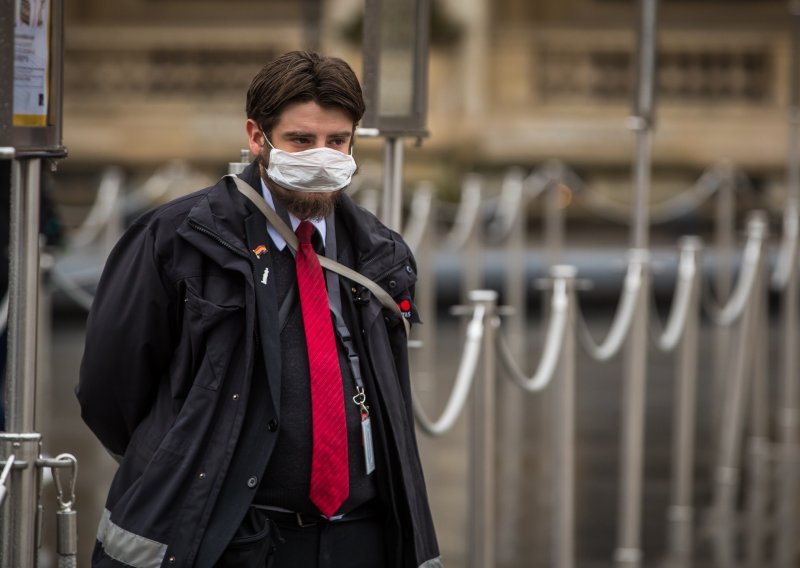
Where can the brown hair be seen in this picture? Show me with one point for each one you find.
(302, 76)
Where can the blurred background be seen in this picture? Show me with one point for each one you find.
(154, 95)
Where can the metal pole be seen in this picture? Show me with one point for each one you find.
(681, 511)
(19, 513)
(789, 411)
(642, 122)
(564, 525)
(392, 199)
(512, 419)
(628, 553)
(789, 407)
(482, 491)
(758, 445)
(726, 480)
(554, 216)
(425, 299)
(725, 239)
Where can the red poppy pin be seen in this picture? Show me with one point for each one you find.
(405, 308)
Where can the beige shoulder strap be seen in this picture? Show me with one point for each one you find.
(291, 239)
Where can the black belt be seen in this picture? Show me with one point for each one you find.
(305, 520)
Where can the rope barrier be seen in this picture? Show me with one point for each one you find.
(787, 255)
(419, 215)
(467, 215)
(554, 341)
(510, 205)
(70, 287)
(751, 259)
(688, 281)
(104, 207)
(674, 208)
(622, 319)
(463, 383)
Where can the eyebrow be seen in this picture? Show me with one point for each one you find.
(300, 133)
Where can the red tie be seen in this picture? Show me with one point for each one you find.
(330, 484)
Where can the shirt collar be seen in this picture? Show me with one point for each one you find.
(277, 239)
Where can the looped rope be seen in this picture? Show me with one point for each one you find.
(734, 308)
(420, 216)
(554, 341)
(467, 216)
(463, 383)
(622, 319)
(787, 255)
(667, 337)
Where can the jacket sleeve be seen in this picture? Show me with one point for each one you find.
(128, 340)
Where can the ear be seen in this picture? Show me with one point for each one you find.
(255, 137)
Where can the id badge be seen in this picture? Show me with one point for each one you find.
(369, 453)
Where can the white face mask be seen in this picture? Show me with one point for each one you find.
(314, 170)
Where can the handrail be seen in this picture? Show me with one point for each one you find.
(467, 215)
(554, 340)
(624, 315)
(687, 284)
(463, 383)
(419, 215)
(751, 259)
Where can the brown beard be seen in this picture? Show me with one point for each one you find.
(303, 205)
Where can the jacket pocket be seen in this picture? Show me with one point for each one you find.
(253, 544)
(214, 331)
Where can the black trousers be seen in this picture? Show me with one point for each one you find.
(278, 540)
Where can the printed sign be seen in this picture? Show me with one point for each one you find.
(31, 62)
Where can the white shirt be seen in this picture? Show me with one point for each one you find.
(277, 239)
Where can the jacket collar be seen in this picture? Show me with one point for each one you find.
(216, 223)
(223, 211)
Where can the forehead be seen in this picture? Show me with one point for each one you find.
(311, 117)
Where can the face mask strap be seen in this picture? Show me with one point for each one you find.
(266, 139)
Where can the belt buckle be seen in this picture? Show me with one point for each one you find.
(300, 522)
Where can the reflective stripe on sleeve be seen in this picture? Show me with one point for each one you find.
(127, 547)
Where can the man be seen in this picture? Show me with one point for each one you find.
(204, 374)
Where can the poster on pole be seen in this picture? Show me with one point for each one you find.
(31, 62)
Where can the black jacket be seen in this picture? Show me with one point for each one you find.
(166, 379)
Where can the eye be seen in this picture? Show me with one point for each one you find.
(301, 140)
(339, 141)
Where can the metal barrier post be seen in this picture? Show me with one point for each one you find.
(628, 553)
(392, 196)
(19, 535)
(564, 525)
(554, 215)
(758, 444)
(725, 245)
(788, 421)
(424, 359)
(483, 430)
(789, 406)
(726, 480)
(512, 419)
(681, 510)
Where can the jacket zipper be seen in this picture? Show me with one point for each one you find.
(208, 232)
